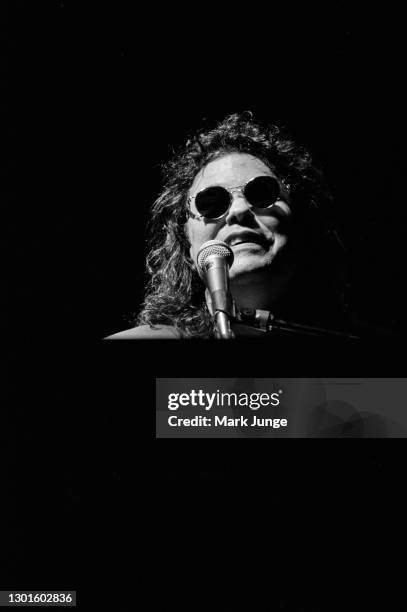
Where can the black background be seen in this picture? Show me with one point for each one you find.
(94, 98)
(103, 94)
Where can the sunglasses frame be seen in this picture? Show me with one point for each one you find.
(231, 191)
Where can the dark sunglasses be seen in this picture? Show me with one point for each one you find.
(214, 202)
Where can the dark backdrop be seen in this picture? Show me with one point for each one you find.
(94, 97)
(104, 92)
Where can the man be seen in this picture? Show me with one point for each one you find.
(250, 185)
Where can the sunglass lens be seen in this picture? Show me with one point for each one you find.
(262, 191)
(212, 202)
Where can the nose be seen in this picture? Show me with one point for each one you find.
(239, 209)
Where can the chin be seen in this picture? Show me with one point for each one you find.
(249, 263)
(245, 271)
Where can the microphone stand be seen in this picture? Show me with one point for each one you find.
(265, 321)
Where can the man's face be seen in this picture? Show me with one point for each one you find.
(256, 236)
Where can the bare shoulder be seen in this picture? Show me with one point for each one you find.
(145, 332)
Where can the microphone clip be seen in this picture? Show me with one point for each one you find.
(260, 319)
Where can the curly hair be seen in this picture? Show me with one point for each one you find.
(175, 294)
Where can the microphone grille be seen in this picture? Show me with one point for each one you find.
(214, 247)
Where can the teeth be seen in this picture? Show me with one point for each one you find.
(244, 238)
(239, 240)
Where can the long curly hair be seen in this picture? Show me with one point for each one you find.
(175, 294)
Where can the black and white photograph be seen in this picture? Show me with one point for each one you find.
(204, 238)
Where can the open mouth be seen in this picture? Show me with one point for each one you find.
(242, 242)
(249, 241)
(245, 238)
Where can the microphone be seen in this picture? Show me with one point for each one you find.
(214, 260)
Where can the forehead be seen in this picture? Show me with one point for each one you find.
(229, 171)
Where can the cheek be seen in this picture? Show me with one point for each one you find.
(196, 238)
(280, 241)
(282, 230)
(197, 234)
